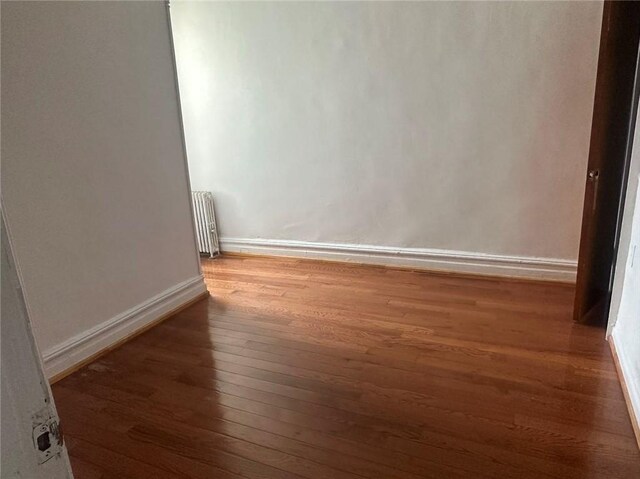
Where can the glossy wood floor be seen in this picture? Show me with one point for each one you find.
(304, 369)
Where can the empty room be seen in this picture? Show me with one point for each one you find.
(320, 240)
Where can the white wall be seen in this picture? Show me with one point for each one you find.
(93, 177)
(624, 315)
(446, 125)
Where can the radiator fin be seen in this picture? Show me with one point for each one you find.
(205, 219)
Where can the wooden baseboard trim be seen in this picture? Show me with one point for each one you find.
(127, 338)
(635, 420)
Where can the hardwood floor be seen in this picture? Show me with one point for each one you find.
(299, 368)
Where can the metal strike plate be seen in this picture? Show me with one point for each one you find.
(47, 436)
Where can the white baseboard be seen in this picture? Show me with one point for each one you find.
(419, 258)
(77, 349)
(628, 381)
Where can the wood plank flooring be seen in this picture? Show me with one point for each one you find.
(308, 369)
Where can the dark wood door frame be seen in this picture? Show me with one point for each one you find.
(615, 106)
